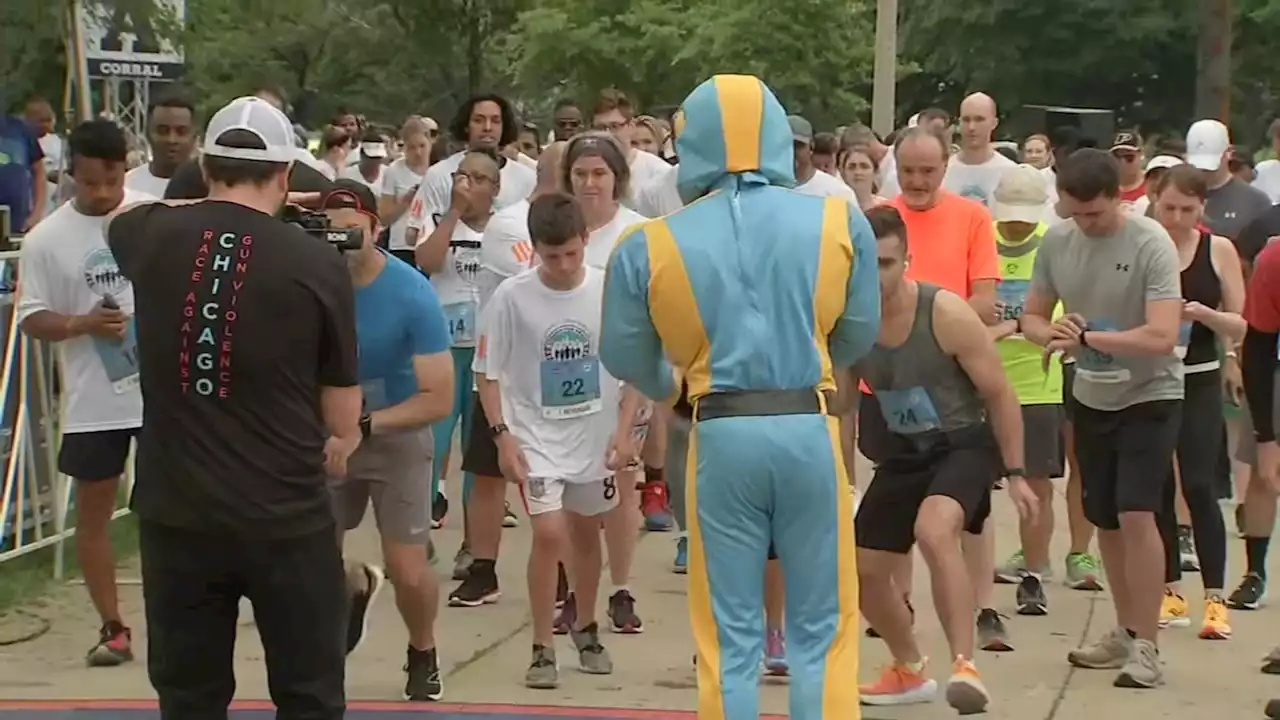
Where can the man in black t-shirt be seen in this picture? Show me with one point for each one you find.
(247, 350)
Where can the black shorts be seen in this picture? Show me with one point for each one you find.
(98, 455)
(1068, 399)
(963, 468)
(1042, 441)
(1125, 458)
(480, 456)
(874, 439)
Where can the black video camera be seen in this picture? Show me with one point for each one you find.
(316, 224)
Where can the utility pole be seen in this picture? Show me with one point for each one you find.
(883, 101)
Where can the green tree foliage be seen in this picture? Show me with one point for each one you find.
(31, 51)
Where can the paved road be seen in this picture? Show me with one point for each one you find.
(486, 649)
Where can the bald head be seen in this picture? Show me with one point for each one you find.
(977, 123)
(549, 166)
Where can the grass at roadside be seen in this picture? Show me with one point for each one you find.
(27, 578)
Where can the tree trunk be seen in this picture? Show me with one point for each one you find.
(1213, 63)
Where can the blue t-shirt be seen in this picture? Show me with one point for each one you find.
(398, 316)
(20, 154)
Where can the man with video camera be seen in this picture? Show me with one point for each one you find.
(406, 374)
(247, 347)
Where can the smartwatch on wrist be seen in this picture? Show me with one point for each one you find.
(366, 426)
(499, 429)
(1084, 342)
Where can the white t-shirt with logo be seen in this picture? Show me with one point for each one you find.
(827, 185)
(436, 193)
(397, 180)
(600, 243)
(144, 181)
(352, 172)
(67, 268)
(456, 286)
(646, 169)
(543, 348)
(505, 251)
(976, 182)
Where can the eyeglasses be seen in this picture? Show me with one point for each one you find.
(610, 127)
(474, 177)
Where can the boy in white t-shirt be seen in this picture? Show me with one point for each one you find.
(555, 414)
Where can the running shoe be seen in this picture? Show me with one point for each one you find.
(423, 683)
(1273, 710)
(365, 586)
(1216, 620)
(1030, 596)
(1187, 550)
(1010, 573)
(593, 659)
(1083, 572)
(1174, 611)
(1251, 593)
(656, 507)
(680, 565)
(622, 613)
(114, 647)
(775, 653)
(965, 692)
(993, 636)
(509, 518)
(1271, 663)
(462, 562)
(1109, 652)
(480, 587)
(543, 672)
(1142, 670)
(439, 511)
(567, 616)
(899, 685)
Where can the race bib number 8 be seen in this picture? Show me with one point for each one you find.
(120, 359)
(462, 322)
(570, 388)
(908, 412)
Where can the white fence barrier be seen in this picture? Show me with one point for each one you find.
(37, 502)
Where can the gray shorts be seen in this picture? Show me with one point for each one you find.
(394, 472)
(1042, 440)
(1246, 450)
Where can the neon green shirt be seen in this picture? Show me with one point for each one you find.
(1022, 358)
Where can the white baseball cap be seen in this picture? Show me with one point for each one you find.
(255, 116)
(1021, 195)
(1207, 140)
(1162, 162)
(373, 149)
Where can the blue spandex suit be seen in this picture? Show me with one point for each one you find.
(752, 294)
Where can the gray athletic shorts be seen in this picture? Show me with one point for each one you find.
(1246, 444)
(1043, 450)
(393, 471)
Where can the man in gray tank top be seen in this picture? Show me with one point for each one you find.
(1117, 276)
(938, 377)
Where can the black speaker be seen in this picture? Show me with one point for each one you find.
(1064, 125)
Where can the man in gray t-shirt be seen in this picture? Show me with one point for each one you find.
(1233, 205)
(1117, 276)
(1108, 281)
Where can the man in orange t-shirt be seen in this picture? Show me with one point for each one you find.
(953, 246)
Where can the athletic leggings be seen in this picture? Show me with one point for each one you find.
(1199, 451)
(460, 418)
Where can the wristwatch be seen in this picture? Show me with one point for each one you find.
(499, 429)
(366, 426)
(1015, 473)
(1083, 341)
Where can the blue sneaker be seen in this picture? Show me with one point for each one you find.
(681, 564)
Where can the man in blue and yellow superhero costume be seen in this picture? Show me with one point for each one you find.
(754, 294)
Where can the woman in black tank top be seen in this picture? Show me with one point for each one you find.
(1213, 288)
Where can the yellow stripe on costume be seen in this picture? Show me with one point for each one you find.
(830, 287)
(741, 117)
(702, 617)
(674, 309)
(840, 696)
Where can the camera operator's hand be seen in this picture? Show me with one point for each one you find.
(103, 322)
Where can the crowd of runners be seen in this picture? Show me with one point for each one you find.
(1066, 309)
